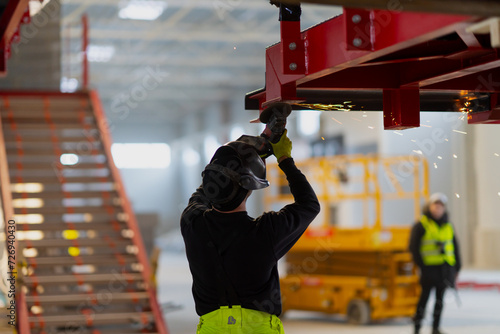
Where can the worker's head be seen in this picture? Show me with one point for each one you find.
(235, 170)
(437, 205)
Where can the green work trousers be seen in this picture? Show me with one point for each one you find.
(238, 320)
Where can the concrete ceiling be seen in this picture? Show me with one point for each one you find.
(202, 51)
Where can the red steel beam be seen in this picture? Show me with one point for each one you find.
(327, 49)
(465, 7)
(397, 52)
(9, 23)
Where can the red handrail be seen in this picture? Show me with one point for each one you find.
(85, 58)
(8, 211)
(131, 222)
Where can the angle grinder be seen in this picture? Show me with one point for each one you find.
(274, 117)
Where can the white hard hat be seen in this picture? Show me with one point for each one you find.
(438, 197)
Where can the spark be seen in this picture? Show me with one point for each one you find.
(435, 165)
(371, 127)
(426, 126)
(462, 132)
(365, 115)
(446, 139)
(458, 195)
(234, 48)
(347, 102)
(322, 138)
(496, 155)
(440, 157)
(455, 156)
(336, 120)
(413, 140)
(398, 133)
(418, 152)
(356, 119)
(499, 193)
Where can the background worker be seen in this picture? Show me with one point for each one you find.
(435, 250)
(233, 257)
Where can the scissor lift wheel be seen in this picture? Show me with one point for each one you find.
(358, 312)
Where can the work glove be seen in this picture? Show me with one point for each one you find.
(283, 148)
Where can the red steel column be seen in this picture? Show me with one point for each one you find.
(401, 108)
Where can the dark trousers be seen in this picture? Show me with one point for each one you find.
(438, 306)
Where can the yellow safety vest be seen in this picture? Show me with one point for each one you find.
(437, 245)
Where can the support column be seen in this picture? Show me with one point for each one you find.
(401, 108)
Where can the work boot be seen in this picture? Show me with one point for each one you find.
(436, 331)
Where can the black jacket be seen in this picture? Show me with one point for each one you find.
(433, 275)
(250, 248)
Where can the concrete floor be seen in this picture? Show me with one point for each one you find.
(479, 313)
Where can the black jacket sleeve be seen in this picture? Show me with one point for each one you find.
(288, 224)
(417, 232)
(198, 203)
(458, 258)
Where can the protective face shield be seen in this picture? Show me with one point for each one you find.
(234, 169)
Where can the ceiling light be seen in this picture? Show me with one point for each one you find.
(141, 10)
(68, 159)
(100, 53)
(68, 85)
(141, 156)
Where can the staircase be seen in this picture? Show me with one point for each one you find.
(84, 267)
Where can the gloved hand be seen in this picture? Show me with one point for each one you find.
(283, 148)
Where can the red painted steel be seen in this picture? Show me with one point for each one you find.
(401, 108)
(85, 45)
(9, 23)
(8, 212)
(400, 53)
(131, 222)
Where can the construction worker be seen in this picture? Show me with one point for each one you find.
(434, 247)
(233, 257)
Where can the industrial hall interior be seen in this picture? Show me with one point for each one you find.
(231, 166)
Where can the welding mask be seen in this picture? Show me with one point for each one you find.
(235, 168)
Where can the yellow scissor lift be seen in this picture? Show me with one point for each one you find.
(348, 262)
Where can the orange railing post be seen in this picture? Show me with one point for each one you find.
(127, 207)
(85, 45)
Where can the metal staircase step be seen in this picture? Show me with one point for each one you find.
(25, 139)
(93, 330)
(75, 299)
(63, 210)
(55, 179)
(86, 242)
(86, 278)
(40, 114)
(38, 102)
(92, 319)
(95, 218)
(70, 226)
(51, 152)
(57, 121)
(37, 166)
(84, 260)
(66, 194)
(43, 126)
